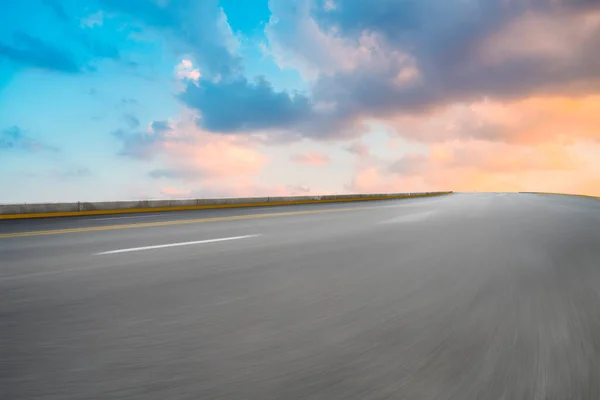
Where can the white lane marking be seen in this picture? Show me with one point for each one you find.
(162, 246)
(94, 267)
(410, 217)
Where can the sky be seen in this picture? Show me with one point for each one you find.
(139, 99)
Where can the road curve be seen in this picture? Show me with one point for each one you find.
(467, 296)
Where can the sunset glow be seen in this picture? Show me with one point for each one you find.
(113, 100)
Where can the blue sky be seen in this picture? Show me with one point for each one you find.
(115, 99)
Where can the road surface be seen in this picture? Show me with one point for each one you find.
(467, 296)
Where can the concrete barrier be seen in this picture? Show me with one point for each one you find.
(45, 210)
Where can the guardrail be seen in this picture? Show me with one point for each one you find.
(45, 210)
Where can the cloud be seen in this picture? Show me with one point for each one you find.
(214, 157)
(172, 192)
(311, 158)
(166, 173)
(160, 127)
(131, 120)
(501, 94)
(238, 105)
(476, 165)
(197, 163)
(529, 120)
(535, 143)
(144, 144)
(33, 52)
(297, 42)
(15, 138)
(386, 60)
(186, 70)
(489, 157)
(329, 5)
(198, 26)
(359, 148)
(396, 58)
(93, 46)
(190, 154)
(302, 190)
(370, 179)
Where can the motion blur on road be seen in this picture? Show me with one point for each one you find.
(467, 296)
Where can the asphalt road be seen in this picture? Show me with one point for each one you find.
(468, 296)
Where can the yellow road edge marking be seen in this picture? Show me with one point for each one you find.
(185, 221)
(202, 207)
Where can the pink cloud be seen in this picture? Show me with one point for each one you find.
(174, 192)
(373, 179)
(528, 120)
(506, 111)
(202, 164)
(311, 158)
(488, 166)
(185, 70)
(215, 156)
(194, 153)
(528, 150)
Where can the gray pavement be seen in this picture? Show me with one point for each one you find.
(468, 296)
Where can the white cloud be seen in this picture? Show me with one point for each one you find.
(297, 41)
(185, 70)
(232, 42)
